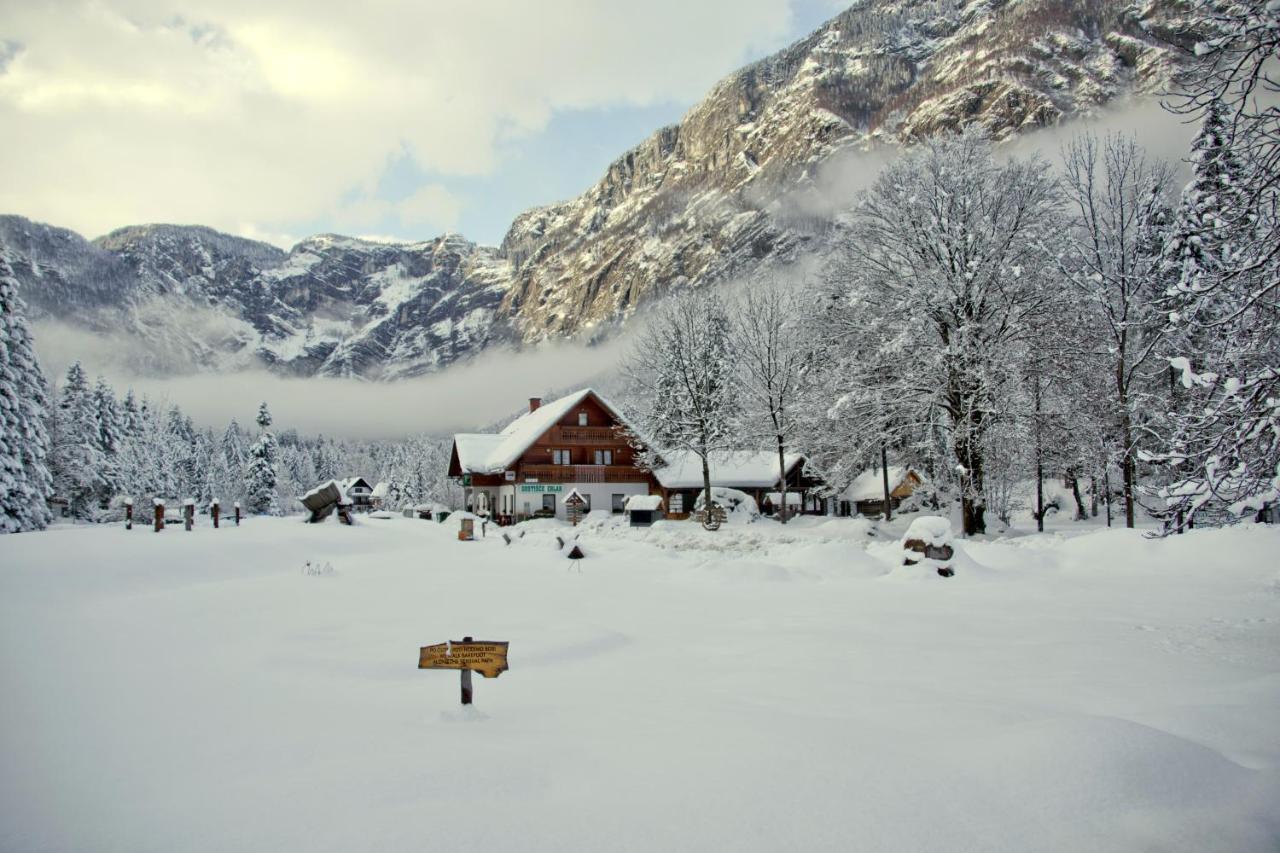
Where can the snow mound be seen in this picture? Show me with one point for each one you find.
(739, 507)
(930, 529)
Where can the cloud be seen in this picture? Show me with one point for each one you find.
(465, 397)
(245, 115)
(843, 177)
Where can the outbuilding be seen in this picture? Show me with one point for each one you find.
(643, 510)
(865, 495)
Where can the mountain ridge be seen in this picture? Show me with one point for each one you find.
(704, 200)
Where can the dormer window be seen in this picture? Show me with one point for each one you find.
(582, 418)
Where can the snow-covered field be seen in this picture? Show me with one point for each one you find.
(753, 689)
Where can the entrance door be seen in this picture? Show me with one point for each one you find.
(549, 502)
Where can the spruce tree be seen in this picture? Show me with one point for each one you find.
(110, 438)
(25, 484)
(262, 480)
(77, 457)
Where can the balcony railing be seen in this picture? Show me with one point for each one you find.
(586, 435)
(584, 473)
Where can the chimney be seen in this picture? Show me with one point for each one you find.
(534, 403)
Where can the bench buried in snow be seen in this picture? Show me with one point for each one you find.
(928, 540)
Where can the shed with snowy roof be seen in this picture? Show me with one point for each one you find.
(643, 510)
(865, 495)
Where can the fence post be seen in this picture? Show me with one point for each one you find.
(159, 505)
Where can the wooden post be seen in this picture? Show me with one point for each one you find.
(128, 514)
(214, 510)
(466, 680)
(237, 513)
(159, 516)
(188, 514)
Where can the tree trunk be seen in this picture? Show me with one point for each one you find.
(782, 480)
(972, 504)
(1081, 515)
(706, 496)
(1127, 469)
(1106, 484)
(1039, 458)
(1093, 496)
(884, 474)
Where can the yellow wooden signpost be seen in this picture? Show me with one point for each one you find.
(487, 657)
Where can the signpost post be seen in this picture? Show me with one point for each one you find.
(486, 657)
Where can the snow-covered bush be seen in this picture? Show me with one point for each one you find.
(739, 507)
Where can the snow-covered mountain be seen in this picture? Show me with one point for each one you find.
(727, 191)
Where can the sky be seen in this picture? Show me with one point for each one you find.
(398, 120)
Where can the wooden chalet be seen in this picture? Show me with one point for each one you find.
(580, 442)
(358, 493)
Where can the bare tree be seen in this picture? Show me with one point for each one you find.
(1117, 198)
(944, 279)
(775, 355)
(681, 366)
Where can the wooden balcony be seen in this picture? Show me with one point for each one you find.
(584, 473)
(586, 435)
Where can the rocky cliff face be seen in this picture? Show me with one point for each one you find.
(709, 199)
(701, 200)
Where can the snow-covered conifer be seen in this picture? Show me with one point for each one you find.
(261, 475)
(77, 455)
(25, 483)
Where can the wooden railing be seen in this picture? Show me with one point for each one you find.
(584, 473)
(586, 435)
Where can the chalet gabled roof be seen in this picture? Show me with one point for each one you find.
(734, 469)
(491, 453)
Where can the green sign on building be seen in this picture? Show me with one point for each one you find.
(540, 487)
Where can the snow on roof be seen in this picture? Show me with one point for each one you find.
(643, 503)
(485, 453)
(380, 490)
(475, 448)
(792, 498)
(742, 469)
(574, 493)
(320, 488)
(869, 485)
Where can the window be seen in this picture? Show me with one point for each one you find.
(619, 503)
(549, 502)
(586, 503)
(582, 418)
(561, 457)
(604, 457)
(677, 502)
